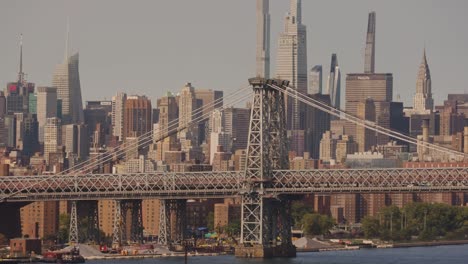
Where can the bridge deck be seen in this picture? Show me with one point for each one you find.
(227, 184)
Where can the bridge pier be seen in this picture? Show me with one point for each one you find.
(117, 226)
(121, 231)
(93, 222)
(73, 235)
(136, 230)
(179, 211)
(172, 221)
(164, 236)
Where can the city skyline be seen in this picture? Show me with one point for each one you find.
(203, 160)
(148, 72)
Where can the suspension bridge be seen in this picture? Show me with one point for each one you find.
(266, 187)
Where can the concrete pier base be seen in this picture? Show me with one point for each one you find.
(259, 251)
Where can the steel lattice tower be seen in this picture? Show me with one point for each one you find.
(265, 221)
(73, 236)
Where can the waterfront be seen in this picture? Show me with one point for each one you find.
(417, 255)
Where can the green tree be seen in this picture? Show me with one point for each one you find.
(233, 228)
(316, 224)
(298, 210)
(64, 228)
(371, 227)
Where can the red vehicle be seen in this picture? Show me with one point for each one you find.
(104, 249)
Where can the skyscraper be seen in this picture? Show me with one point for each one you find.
(187, 105)
(17, 93)
(168, 112)
(137, 116)
(263, 38)
(236, 122)
(26, 133)
(75, 139)
(334, 82)
(365, 137)
(118, 108)
(292, 66)
(46, 107)
(52, 137)
(369, 59)
(423, 101)
(378, 86)
(208, 100)
(317, 122)
(67, 81)
(292, 52)
(315, 80)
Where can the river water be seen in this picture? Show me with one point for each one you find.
(416, 255)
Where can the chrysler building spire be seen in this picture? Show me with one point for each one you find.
(423, 101)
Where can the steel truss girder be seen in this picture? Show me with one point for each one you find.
(370, 180)
(229, 184)
(123, 186)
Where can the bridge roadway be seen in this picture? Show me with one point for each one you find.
(167, 185)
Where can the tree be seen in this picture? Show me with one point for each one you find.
(371, 227)
(316, 224)
(298, 210)
(233, 228)
(64, 228)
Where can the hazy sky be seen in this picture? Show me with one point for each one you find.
(150, 47)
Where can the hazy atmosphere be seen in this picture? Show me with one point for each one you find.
(150, 47)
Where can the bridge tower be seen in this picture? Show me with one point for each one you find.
(266, 220)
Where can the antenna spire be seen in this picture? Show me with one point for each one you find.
(67, 42)
(20, 73)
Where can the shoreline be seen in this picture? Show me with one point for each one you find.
(431, 243)
(299, 250)
(386, 246)
(143, 256)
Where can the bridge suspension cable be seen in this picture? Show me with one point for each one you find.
(365, 123)
(148, 137)
(142, 138)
